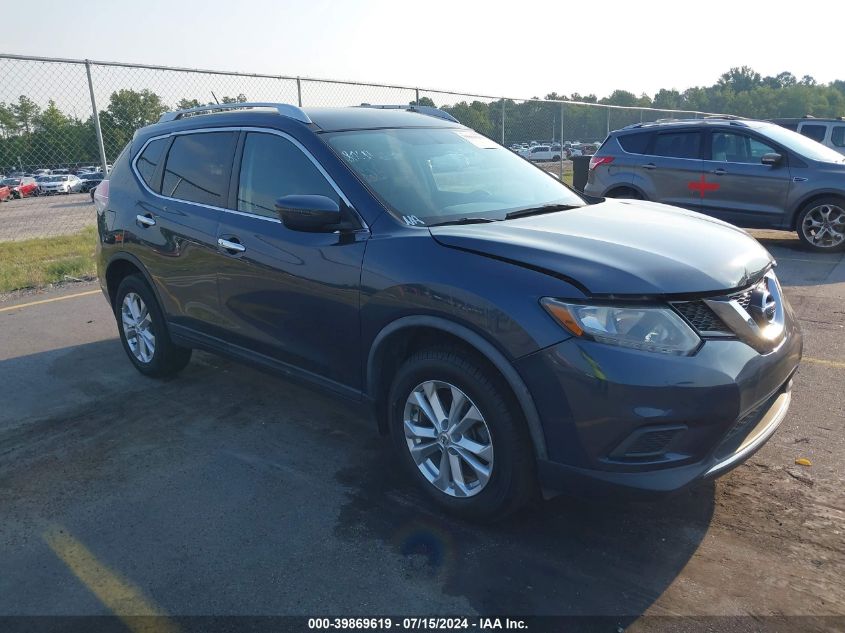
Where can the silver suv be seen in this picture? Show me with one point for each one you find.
(749, 173)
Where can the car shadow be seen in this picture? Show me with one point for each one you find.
(564, 557)
(290, 488)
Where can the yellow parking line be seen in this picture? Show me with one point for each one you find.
(62, 298)
(821, 361)
(124, 600)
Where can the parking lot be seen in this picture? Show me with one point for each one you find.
(227, 491)
(45, 216)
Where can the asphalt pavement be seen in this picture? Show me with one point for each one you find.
(227, 491)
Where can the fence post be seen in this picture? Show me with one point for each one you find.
(503, 120)
(417, 93)
(97, 127)
(299, 92)
(608, 122)
(560, 175)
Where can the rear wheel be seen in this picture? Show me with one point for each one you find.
(821, 224)
(456, 430)
(143, 331)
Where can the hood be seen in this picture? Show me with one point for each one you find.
(621, 247)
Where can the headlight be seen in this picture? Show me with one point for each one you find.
(651, 329)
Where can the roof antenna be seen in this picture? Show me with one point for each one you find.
(215, 98)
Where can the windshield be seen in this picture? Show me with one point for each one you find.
(56, 178)
(428, 176)
(799, 143)
(11, 182)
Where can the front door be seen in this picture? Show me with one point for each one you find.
(292, 296)
(744, 191)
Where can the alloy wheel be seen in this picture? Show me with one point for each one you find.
(824, 226)
(448, 438)
(138, 327)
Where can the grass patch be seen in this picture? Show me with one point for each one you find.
(46, 260)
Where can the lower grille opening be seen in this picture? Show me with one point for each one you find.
(648, 443)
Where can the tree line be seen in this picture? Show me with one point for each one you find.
(32, 136)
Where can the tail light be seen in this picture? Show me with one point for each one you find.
(596, 161)
(101, 195)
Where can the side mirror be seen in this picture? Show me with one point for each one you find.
(308, 213)
(771, 159)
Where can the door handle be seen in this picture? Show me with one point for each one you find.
(720, 171)
(649, 166)
(145, 220)
(231, 246)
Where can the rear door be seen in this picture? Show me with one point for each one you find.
(672, 168)
(175, 229)
(744, 191)
(291, 296)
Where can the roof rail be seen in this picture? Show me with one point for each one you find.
(284, 109)
(421, 109)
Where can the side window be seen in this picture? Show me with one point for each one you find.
(815, 132)
(148, 162)
(737, 148)
(273, 167)
(634, 143)
(678, 145)
(197, 168)
(837, 135)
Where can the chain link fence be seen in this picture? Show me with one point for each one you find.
(63, 121)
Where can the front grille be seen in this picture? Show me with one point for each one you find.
(701, 317)
(742, 298)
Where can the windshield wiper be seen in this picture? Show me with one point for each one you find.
(546, 208)
(465, 221)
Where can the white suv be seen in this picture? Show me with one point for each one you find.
(829, 132)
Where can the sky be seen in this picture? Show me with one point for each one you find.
(514, 49)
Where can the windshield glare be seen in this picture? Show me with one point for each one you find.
(428, 176)
(799, 143)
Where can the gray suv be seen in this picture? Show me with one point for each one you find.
(749, 173)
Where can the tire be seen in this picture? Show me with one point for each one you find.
(499, 442)
(556, 158)
(821, 224)
(626, 193)
(157, 357)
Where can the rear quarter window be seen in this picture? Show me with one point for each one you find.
(634, 143)
(148, 161)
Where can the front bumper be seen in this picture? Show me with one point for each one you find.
(618, 420)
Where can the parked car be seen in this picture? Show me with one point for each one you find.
(749, 173)
(540, 153)
(39, 180)
(829, 132)
(89, 181)
(5, 193)
(22, 187)
(67, 183)
(41, 172)
(509, 337)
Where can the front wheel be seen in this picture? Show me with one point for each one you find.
(460, 434)
(821, 224)
(143, 331)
